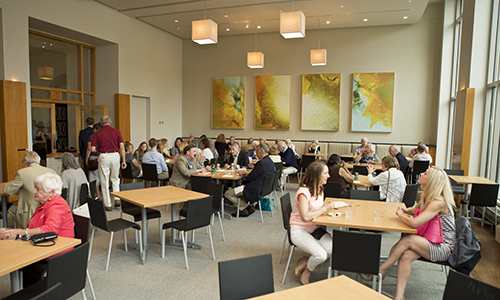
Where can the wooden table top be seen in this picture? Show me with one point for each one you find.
(363, 216)
(158, 196)
(375, 166)
(340, 287)
(170, 160)
(317, 155)
(222, 174)
(17, 254)
(362, 181)
(461, 179)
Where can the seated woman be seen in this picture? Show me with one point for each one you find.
(274, 154)
(368, 155)
(391, 181)
(132, 161)
(174, 151)
(308, 205)
(263, 141)
(72, 177)
(206, 151)
(139, 153)
(339, 173)
(314, 147)
(437, 199)
(52, 215)
(162, 147)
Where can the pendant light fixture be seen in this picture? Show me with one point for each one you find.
(45, 72)
(255, 60)
(293, 24)
(318, 56)
(204, 31)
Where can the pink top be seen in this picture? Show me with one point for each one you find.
(54, 216)
(314, 205)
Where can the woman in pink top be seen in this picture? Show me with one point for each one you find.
(308, 205)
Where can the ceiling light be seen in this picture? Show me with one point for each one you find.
(364, 20)
(204, 31)
(405, 17)
(259, 27)
(225, 16)
(227, 29)
(293, 24)
(176, 21)
(178, 28)
(318, 56)
(255, 60)
(328, 21)
(45, 72)
(246, 26)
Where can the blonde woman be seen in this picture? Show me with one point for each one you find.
(437, 199)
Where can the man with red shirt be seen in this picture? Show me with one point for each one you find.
(110, 143)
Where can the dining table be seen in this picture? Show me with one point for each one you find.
(17, 254)
(157, 196)
(376, 167)
(339, 288)
(362, 181)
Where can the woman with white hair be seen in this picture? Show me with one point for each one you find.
(72, 177)
(53, 213)
(368, 155)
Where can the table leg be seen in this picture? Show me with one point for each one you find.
(15, 285)
(4, 212)
(144, 234)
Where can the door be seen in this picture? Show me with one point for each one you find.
(44, 124)
(85, 111)
(139, 120)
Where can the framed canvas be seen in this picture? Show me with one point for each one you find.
(228, 102)
(372, 102)
(272, 102)
(320, 102)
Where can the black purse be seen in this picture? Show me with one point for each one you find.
(47, 237)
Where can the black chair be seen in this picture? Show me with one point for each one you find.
(299, 161)
(199, 183)
(356, 252)
(99, 220)
(82, 229)
(286, 211)
(216, 191)
(365, 195)
(150, 175)
(410, 195)
(127, 174)
(361, 170)
(135, 210)
(246, 277)
(456, 187)
(267, 189)
(306, 161)
(64, 193)
(460, 286)
(348, 158)
(199, 213)
(333, 190)
(84, 191)
(419, 166)
(38, 291)
(484, 195)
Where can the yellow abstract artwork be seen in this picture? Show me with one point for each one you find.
(228, 102)
(320, 102)
(272, 102)
(372, 102)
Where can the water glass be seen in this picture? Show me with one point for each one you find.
(349, 211)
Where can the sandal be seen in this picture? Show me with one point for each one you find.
(299, 262)
(366, 277)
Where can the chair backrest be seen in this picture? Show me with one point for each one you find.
(347, 158)
(82, 227)
(246, 277)
(149, 172)
(215, 190)
(268, 185)
(278, 166)
(276, 181)
(199, 184)
(420, 166)
(199, 213)
(356, 252)
(84, 191)
(333, 189)
(127, 172)
(52, 293)
(454, 172)
(365, 195)
(361, 170)
(410, 195)
(64, 193)
(460, 286)
(484, 194)
(70, 269)
(306, 160)
(98, 214)
(128, 187)
(286, 210)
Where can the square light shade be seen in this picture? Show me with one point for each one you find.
(318, 57)
(255, 60)
(46, 73)
(204, 32)
(293, 24)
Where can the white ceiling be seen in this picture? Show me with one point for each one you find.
(235, 14)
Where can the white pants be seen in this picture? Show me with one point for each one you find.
(320, 250)
(289, 170)
(109, 170)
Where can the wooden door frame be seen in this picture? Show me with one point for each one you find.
(53, 134)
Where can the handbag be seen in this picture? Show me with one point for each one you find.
(431, 230)
(37, 239)
(93, 165)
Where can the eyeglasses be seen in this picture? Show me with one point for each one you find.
(23, 237)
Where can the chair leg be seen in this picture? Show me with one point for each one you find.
(83, 295)
(125, 240)
(140, 241)
(288, 264)
(184, 245)
(261, 218)
(91, 242)
(159, 227)
(163, 244)
(221, 229)
(211, 241)
(380, 283)
(329, 274)
(109, 249)
(283, 248)
(238, 209)
(91, 286)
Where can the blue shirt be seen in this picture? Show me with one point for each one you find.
(154, 157)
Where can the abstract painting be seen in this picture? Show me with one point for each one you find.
(228, 102)
(320, 102)
(272, 102)
(372, 102)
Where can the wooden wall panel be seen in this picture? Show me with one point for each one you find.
(122, 115)
(467, 135)
(14, 126)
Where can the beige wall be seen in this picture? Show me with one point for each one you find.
(413, 52)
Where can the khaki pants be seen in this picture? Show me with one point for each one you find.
(109, 170)
(233, 197)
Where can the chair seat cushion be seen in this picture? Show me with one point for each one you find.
(458, 190)
(121, 224)
(136, 212)
(179, 225)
